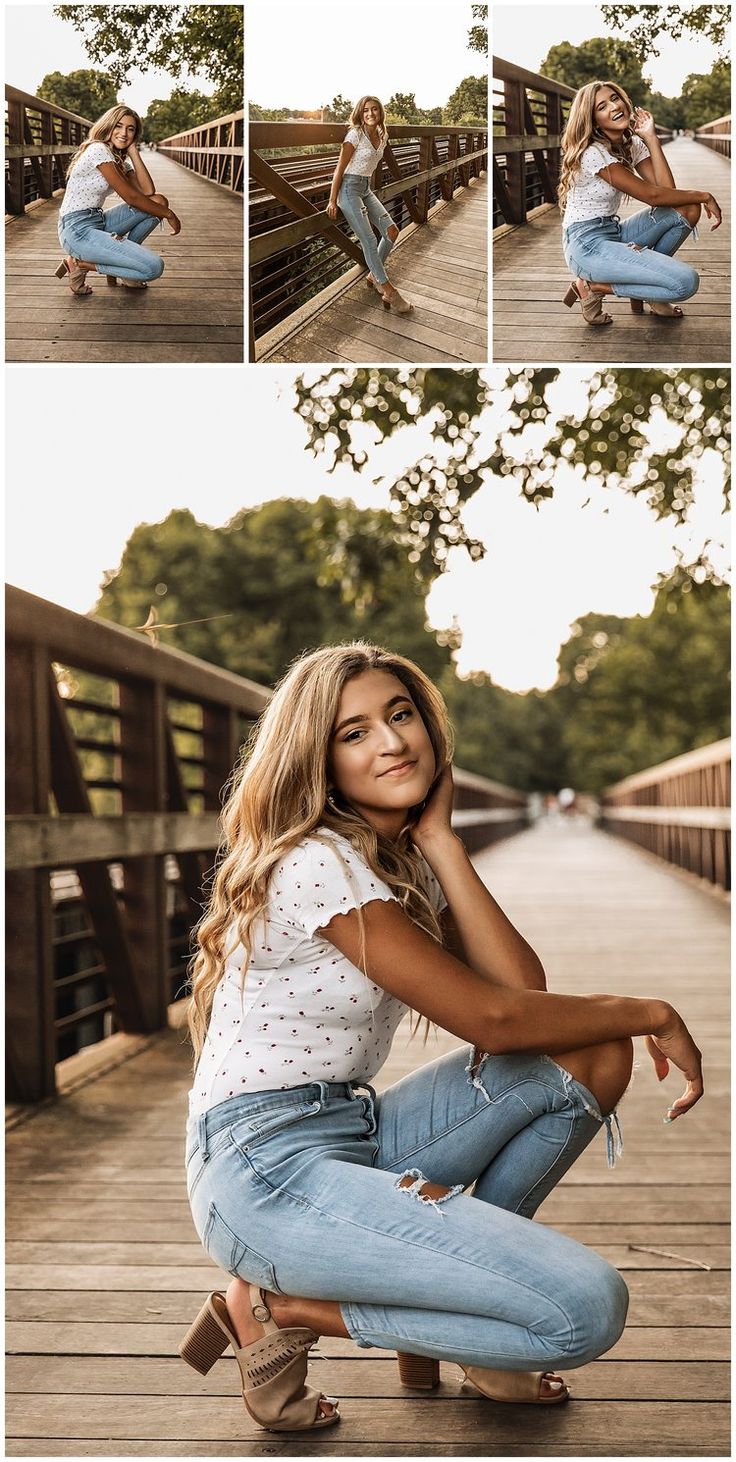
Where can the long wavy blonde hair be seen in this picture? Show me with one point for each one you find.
(102, 130)
(278, 794)
(356, 116)
(581, 132)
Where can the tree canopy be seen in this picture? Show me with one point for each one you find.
(607, 437)
(645, 25)
(478, 33)
(598, 59)
(178, 39)
(705, 98)
(177, 113)
(469, 102)
(87, 92)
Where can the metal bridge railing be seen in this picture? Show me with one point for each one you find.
(40, 138)
(214, 150)
(679, 810)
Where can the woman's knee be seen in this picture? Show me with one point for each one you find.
(687, 283)
(154, 266)
(598, 1311)
(605, 1070)
(691, 212)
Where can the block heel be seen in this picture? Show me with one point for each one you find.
(637, 307)
(421, 1372)
(204, 1342)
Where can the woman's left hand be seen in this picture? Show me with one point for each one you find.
(643, 123)
(436, 816)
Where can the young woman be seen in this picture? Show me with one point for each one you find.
(610, 149)
(341, 898)
(108, 161)
(351, 191)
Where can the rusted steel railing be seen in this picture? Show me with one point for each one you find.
(117, 754)
(214, 150)
(716, 135)
(40, 138)
(296, 251)
(679, 810)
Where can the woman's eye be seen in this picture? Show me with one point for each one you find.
(352, 735)
(405, 712)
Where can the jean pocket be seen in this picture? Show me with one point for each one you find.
(250, 1132)
(229, 1251)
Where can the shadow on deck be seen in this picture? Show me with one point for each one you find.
(193, 313)
(104, 1270)
(441, 267)
(530, 276)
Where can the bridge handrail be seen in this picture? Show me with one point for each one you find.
(679, 810)
(114, 792)
(213, 149)
(425, 164)
(716, 135)
(40, 139)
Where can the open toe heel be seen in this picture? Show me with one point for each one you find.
(421, 1372)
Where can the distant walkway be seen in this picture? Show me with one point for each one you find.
(105, 1272)
(193, 313)
(441, 268)
(530, 276)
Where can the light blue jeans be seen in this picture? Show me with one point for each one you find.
(298, 1191)
(88, 234)
(363, 209)
(600, 250)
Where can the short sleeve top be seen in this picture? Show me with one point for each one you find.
(590, 195)
(305, 1012)
(86, 187)
(366, 157)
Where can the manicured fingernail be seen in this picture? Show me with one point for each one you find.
(668, 1119)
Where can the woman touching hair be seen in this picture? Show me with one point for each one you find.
(110, 242)
(610, 149)
(351, 191)
(342, 898)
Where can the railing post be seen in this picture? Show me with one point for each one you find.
(425, 162)
(514, 96)
(14, 197)
(29, 976)
(554, 129)
(143, 759)
(46, 160)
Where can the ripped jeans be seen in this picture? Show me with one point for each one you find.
(301, 1191)
(364, 211)
(634, 255)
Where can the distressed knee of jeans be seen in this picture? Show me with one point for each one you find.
(636, 247)
(414, 1183)
(567, 1078)
(476, 1062)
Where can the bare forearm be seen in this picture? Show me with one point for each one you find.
(664, 196)
(491, 944)
(532, 1020)
(135, 199)
(143, 179)
(662, 173)
(336, 181)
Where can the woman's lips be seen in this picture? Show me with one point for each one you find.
(400, 769)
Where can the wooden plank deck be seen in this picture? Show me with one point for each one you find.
(442, 268)
(104, 1271)
(194, 312)
(530, 276)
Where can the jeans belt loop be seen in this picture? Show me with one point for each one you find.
(202, 1135)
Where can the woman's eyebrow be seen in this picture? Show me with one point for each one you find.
(352, 720)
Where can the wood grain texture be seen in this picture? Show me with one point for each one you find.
(193, 313)
(530, 276)
(441, 269)
(105, 1272)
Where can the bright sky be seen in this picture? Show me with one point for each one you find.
(302, 55)
(37, 42)
(524, 34)
(541, 572)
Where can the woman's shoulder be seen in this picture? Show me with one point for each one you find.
(595, 156)
(353, 135)
(96, 153)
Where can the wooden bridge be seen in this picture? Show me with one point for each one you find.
(309, 300)
(104, 1270)
(193, 313)
(529, 272)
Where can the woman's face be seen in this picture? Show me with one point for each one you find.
(371, 115)
(123, 133)
(381, 757)
(610, 112)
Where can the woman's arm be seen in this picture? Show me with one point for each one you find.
(655, 168)
(143, 178)
(135, 198)
(346, 152)
(654, 194)
(399, 956)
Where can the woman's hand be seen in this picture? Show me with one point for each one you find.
(331, 209)
(436, 817)
(712, 209)
(674, 1044)
(175, 222)
(643, 123)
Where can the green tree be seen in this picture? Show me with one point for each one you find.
(706, 98)
(469, 102)
(402, 107)
(599, 59)
(667, 111)
(606, 438)
(178, 39)
(176, 113)
(646, 24)
(88, 93)
(339, 109)
(478, 33)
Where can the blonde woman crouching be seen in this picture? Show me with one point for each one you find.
(610, 149)
(342, 899)
(110, 242)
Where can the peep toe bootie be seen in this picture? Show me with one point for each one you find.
(536, 1388)
(273, 1369)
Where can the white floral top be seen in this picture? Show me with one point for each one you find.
(86, 187)
(590, 195)
(306, 1013)
(366, 157)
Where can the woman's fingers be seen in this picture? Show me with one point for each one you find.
(692, 1094)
